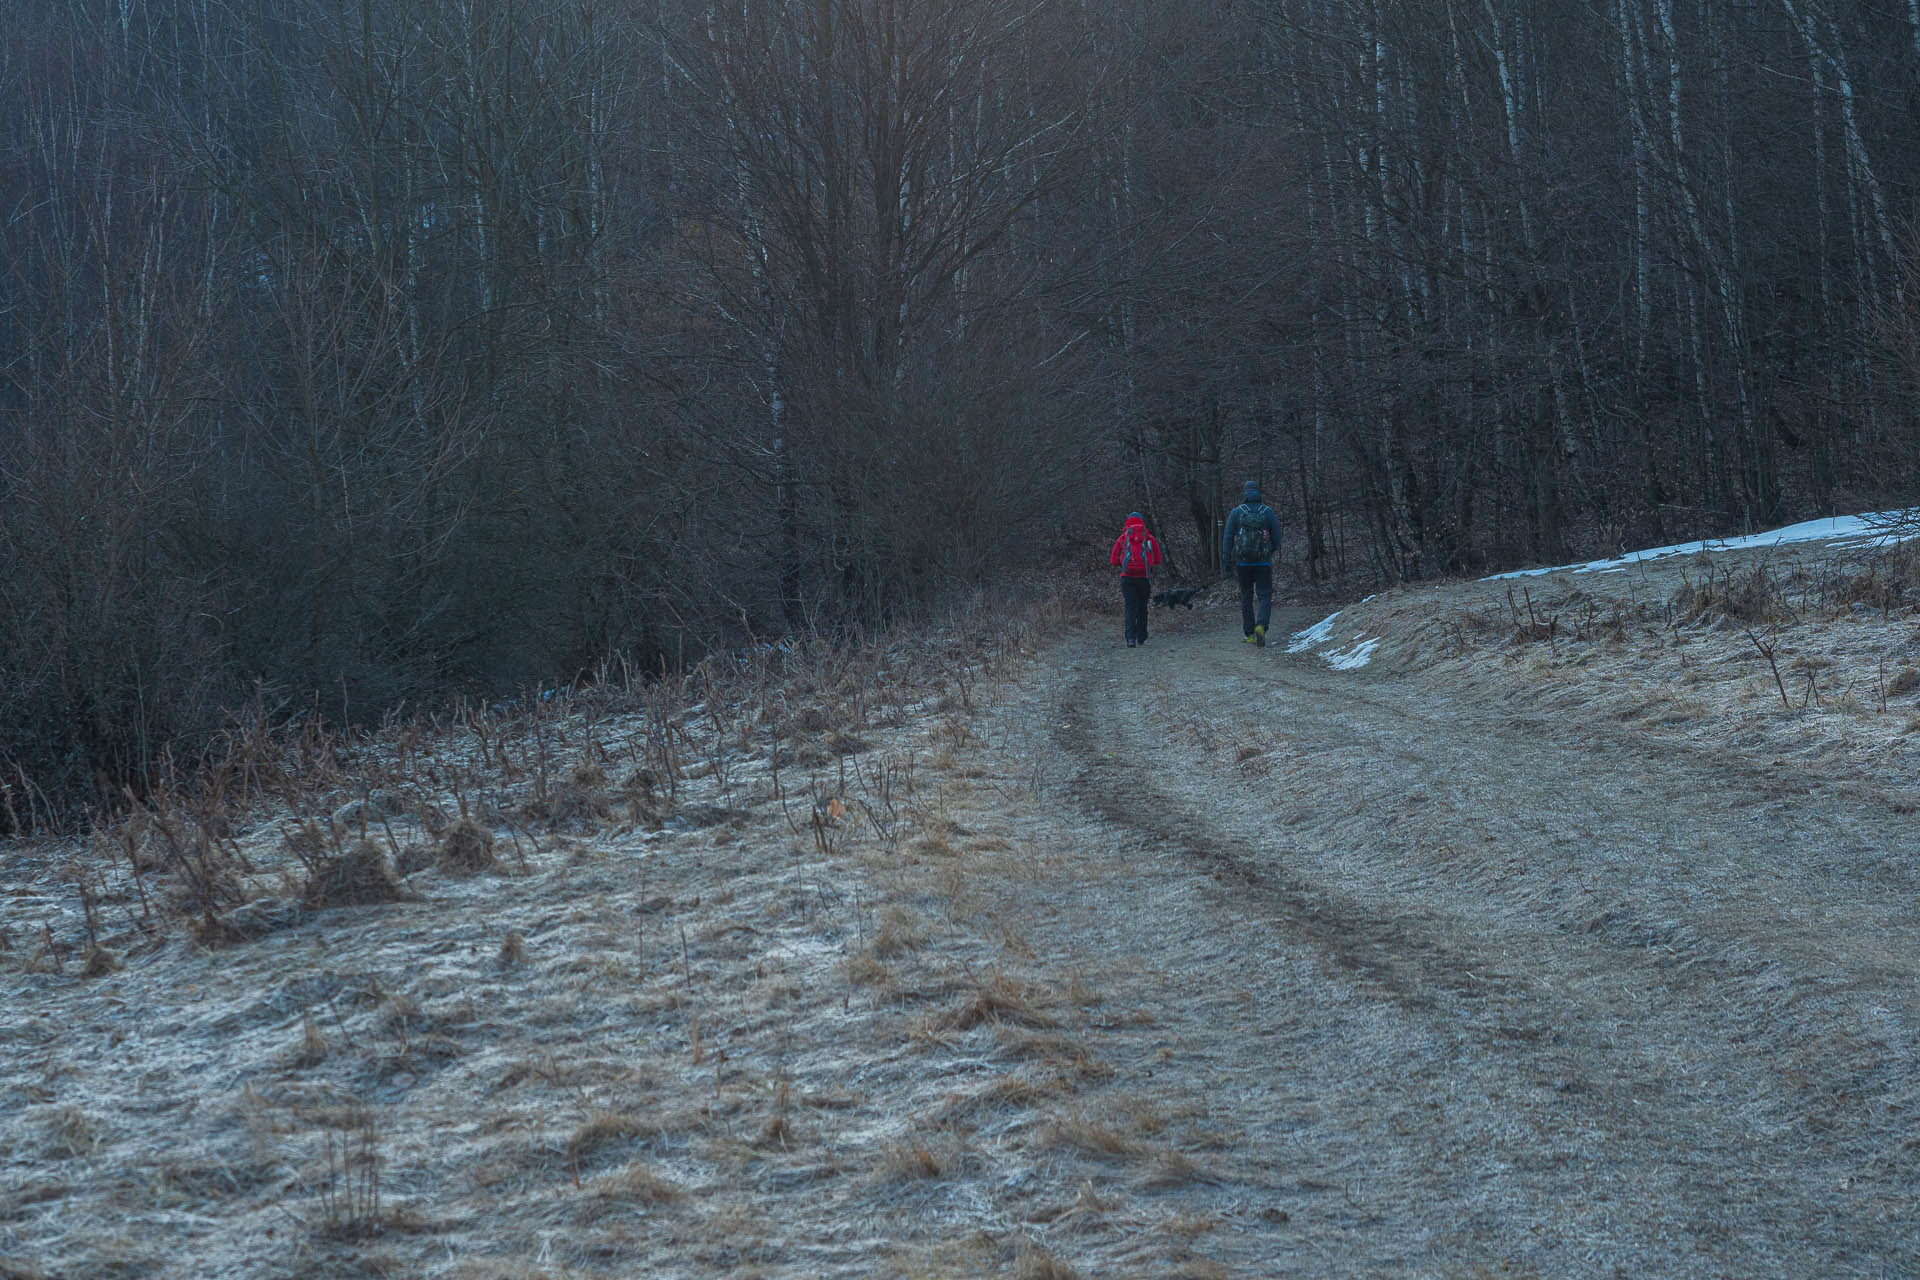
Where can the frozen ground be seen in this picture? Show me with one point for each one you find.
(1574, 934)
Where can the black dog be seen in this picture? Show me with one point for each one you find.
(1176, 595)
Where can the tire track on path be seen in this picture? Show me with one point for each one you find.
(1618, 986)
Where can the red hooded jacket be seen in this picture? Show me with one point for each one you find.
(1146, 550)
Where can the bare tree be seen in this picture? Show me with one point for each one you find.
(880, 155)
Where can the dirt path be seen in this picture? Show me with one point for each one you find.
(1480, 986)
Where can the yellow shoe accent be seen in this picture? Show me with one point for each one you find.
(1260, 636)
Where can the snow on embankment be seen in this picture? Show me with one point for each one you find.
(1872, 530)
(1342, 648)
(1344, 645)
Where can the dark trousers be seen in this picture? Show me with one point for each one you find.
(1133, 594)
(1256, 580)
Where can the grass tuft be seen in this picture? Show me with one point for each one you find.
(606, 1129)
(909, 1162)
(69, 1134)
(1171, 1169)
(1079, 1134)
(1035, 1263)
(899, 931)
(99, 962)
(465, 848)
(313, 1043)
(513, 949)
(1001, 1000)
(633, 1184)
(362, 876)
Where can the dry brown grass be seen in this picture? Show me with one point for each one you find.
(900, 931)
(909, 1161)
(1074, 1132)
(1007, 1093)
(1000, 999)
(728, 1079)
(632, 1184)
(1033, 1262)
(513, 949)
(99, 962)
(68, 1133)
(465, 848)
(601, 1131)
(313, 1042)
(360, 876)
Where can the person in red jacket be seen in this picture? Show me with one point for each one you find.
(1136, 553)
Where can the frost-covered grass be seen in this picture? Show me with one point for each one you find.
(1348, 645)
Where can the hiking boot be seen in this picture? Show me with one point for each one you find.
(1132, 643)
(1247, 638)
(1260, 636)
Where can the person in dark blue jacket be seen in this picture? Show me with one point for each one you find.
(1249, 543)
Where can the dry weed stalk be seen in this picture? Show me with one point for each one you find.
(1766, 651)
(350, 1197)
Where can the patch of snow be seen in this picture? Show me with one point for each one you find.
(1870, 530)
(1353, 658)
(1317, 634)
(1318, 638)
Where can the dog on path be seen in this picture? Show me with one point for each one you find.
(1176, 596)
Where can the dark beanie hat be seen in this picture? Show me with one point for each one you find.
(1252, 493)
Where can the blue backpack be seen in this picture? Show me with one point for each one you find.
(1252, 544)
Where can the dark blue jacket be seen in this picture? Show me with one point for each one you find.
(1242, 512)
